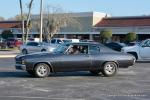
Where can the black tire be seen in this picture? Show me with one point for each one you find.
(109, 69)
(31, 72)
(43, 50)
(41, 70)
(95, 72)
(24, 51)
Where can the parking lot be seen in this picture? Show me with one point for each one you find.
(129, 84)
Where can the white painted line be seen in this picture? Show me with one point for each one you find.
(46, 98)
(7, 56)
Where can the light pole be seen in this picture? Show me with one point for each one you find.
(41, 20)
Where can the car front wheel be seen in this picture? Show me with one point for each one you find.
(24, 51)
(109, 69)
(42, 70)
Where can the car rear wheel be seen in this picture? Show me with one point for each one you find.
(43, 50)
(95, 72)
(109, 69)
(24, 51)
(42, 70)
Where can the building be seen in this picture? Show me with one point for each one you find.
(91, 23)
(122, 25)
(14, 26)
(85, 28)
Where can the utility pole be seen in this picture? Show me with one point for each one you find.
(41, 20)
(22, 17)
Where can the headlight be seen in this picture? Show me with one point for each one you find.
(51, 49)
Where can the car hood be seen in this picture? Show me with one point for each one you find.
(34, 55)
(130, 47)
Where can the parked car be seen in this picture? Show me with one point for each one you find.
(87, 40)
(33, 46)
(139, 51)
(12, 42)
(62, 40)
(3, 44)
(132, 43)
(89, 58)
(115, 45)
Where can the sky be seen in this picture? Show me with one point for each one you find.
(10, 8)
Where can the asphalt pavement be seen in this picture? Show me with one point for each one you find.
(9, 53)
(129, 84)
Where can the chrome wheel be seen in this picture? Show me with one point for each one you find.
(24, 51)
(42, 70)
(109, 69)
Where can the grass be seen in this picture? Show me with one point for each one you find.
(9, 49)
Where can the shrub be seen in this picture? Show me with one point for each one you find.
(130, 37)
(105, 35)
(7, 34)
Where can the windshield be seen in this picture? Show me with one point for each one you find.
(61, 49)
(66, 41)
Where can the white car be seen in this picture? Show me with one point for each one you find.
(33, 46)
(63, 40)
(139, 51)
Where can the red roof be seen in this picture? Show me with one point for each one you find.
(10, 24)
(124, 22)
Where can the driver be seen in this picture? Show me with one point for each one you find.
(74, 50)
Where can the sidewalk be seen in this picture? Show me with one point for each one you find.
(9, 54)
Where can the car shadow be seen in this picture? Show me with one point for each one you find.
(76, 74)
(6, 74)
(142, 61)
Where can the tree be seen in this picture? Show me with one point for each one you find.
(105, 35)
(23, 17)
(28, 20)
(2, 19)
(55, 18)
(7, 34)
(130, 37)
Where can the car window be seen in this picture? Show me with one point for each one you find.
(53, 40)
(32, 44)
(59, 41)
(94, 49)
(146, 43)
(78, 49)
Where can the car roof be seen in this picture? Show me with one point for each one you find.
(83, 43)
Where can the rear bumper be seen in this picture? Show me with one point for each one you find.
(20, 67)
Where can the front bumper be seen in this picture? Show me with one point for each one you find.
(20, 66)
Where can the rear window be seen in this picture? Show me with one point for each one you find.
(94, 49)
(53, 40)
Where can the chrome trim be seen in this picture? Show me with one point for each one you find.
(20, 66)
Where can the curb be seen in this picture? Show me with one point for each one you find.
(7, 56)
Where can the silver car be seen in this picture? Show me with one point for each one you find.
(33, 46)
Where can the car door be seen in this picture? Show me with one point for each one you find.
(73, 62)
(144, 50)
(94, 51)
(33, 47)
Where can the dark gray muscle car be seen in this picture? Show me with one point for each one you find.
(74, 57)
